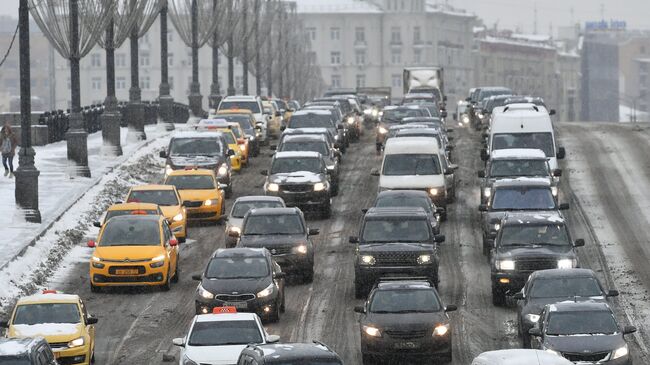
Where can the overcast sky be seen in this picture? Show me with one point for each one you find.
(520, 13)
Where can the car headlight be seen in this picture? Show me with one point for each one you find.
(251, 138)
(487, 192)
(273, 187)
(301, 249)
(496, 226)
(178, 217)
(350, 120)
(465, 119)
(336, 137)
(76, 342)
(235, 229)
(96, 259)
(441, 330)
(188, 361)
(204, 293)
(566, 263)
(554, 190)
(424, 259)
(157, 261)
(375, 113)
(480, 115)
(223, 170)
(620, 352)
(433, 191)
(507, 265)
(267, 291)
(242, 147)
(534, 318)
(168, 170)
(319, 186)
(371, 331)
(367, 260)
(208, 202)
(331, 167)
(367, 111)
(383, 130)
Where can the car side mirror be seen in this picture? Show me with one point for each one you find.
(450, 130)
(277, 114)
(340, 126)
(283, 127)
(484, 154)
(91, 244)
(179, 342)
(279, 275)
(272, 338)
(439, 238)
(629, 330)
(92, 320)
(364, 210)
(233, 234)
(4, 324)
(230, 152)
(482, 208)
(258, 128)
(185, 204)
(484, 135)
(163, 154)
(259, 124)
(265, 172)
(481, 173)
(536, 332)
(518, 296)
(443, 114)
(173, 242)
(557, 172)
(273, 147)
(440, 210)
(564, 206)
(197, 277)
(353, 239)
(561, 153)
(468, 99)
(374, 172)
(453, 167)
(612, 293)
(97, 224)
(360, 309)
(451, 308)
(551, 112)
(579, 242)
(313, 232)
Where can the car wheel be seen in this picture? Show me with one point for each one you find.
(275, 316)
(326, 210)
(486, 248)
(368, 360)
(525, 341)
(359, 291)
(308, 276)
(95, 289)
(443, 215)
(335, 188)
(228, 191)
(283, 307)
(176, 276)
(498, 297)
(168, 283)
(445, 359)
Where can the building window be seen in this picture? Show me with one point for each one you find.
(170, 81)
(170, 59)
(144, 59)
(359, 35)
(335, 58)
(120, 60)
(396, 57)
(336, 81)
(396, 80)
(417, 56)
(361, 80)
(145, 83)
(120, 83)
(417, 35)
(96, 60)
(395, 35)
(360, 57)
(311, 32)
(335, 33)
(96, 83)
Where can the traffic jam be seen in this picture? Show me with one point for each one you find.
(563, 312)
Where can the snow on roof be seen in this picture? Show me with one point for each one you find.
(518, 153)
(199, 134)
(51, 297)
(46, 329)
(288, 154)
(515, 42)
(225, 317)
(336, 6)
(14, 347)
(532, 37)
(433, 7)
(312, 111)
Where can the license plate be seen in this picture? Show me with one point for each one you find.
(406, 345)
(238, 305)
(57, 355)
(126, 272)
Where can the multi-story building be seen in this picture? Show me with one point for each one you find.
(600, 77)
(369, 42)
(634, 73)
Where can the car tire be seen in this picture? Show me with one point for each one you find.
(443, 215)
(275, 316)
(95, 289)
(283, 306)
(176, 276)
(359, 291)
(228, 191)
(326, 210)
(445, 359)
(486, 248)
(168, 283)
(335, 189)
(498, 297)
(525, 340)
(308, 276)
(368, 360)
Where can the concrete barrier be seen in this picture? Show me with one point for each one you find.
(39, 134)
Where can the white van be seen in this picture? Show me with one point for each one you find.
(415, 163)
(252, 103)
(519, 357)
(523, 126)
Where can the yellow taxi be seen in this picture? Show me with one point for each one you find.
(134, 250)
(128, 209)
(200, 192)
(275, 116)
(225, 127)
(242, 141)
(283, 105)
(251, 127)
(170, 202)
(61, 319)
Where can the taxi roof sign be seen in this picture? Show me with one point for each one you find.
(50, 291)
(223, 310)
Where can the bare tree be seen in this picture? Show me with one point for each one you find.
(227, 19)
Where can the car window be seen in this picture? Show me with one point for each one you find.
(395, 230)
(411, 164)
(523, 198)
(253, 106)
(404, 301)
(237, 268)
(581, 323)
(241, 208)
(30, 314)
(542, 141)
(565, 287)
(530, 235)
(310, 121)
(191, 182)
(222, 333)
(502, 168)
(311, 146)
(294, 164)
(403, 201)
(161, 197)
(273, 224)
(195, 146)
(117, 213)
(127, 232)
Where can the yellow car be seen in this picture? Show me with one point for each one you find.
(250, 126)
(199, 189)
(170, 202)
(61, 319)
(128, 209)
(134, 250)
(225, 127)
(275, 118)
(242, 141)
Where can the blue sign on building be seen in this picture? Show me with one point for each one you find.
(603, 25)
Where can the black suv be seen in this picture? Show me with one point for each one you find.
(528, 242)
(282, 231)
(394, 242)
(552, 286)
(205, 150)
(412, 199)
(26, 351)
(248, 279)
(515, 195)
(404, 317)
(289, 353)
(301, 179)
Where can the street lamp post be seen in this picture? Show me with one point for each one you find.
(111, 116)
(26, 190)
(165, 99)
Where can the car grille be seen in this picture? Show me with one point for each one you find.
(58, 345)
(113, 269)
(235, 298)
(536, 264)
(297, 188)
(407, 334)
(597, 356)
(396, 258)
(193, 204)
(138, 260)
(282, 250)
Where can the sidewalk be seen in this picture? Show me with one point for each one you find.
(57, 191)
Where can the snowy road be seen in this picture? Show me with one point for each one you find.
(137, 327)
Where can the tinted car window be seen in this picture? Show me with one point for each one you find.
(518, 168)
(316, 146)
(395, 230)
(420, 164)
(274, 224)
(160, 197)
(31, 314)
(237, 268)
(311, 121)
(542, 141)
(241, 208)
(244, 121)
(404, 301)
(224, 333)
(395, 115)
(516, 235)
(565, 287)
(127, 232)
(198, 182)
(195, 146)
(288, 165)
(116, 213)
(526, 198)
(577, 323)
(403, 201)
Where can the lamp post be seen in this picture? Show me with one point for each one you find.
(26, 191)
(165, 99)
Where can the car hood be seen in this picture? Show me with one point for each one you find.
(214, 355)
(536, 251)
(198, 194)
(395, 247)
(239, 286)
(298, 177)
(133, 253)
(584, 344)
(170, 210)
(271, 240)
(536, 305)
(411, 181)
(234, 222)
(498, 214)
(52, 332)
(406, 321)
(204, 161)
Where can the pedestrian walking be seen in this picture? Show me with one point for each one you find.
(8, 143)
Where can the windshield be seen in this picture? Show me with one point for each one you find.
(411, 164)
(295, 164)
(534, 235)
(274, 224)
(14, 360)
(311, 121)
(315, 146)
(160, 197)
(523, 198)
(31, 314)
(542, 141)
(240, 209)
(404, 301)
(504, 168)
(404, 201)
(191, 182)
(303, 362)
(565, 287)
(130, 232)
(243, 120)
(581, 323)
(396, 115)
(229, 137)
(195, 146)
(395, 230)
(220, 333)
(237, 268)
(253, 106)
(116, 213)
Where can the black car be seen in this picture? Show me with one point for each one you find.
(319, 118)
(394, 242)
(527, 242)
(404, 317)
(315, 143)
(284, 232)
(393, 115)
(478, 95)
(248, 279)
(301, 179)
(552, 286)
(583, 332)
(410, 199)
(515, 195)
(205, 150)
(26, 351)
(316, 353)
(331, 138)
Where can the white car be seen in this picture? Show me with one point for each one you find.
(219, 338)
(252, 103)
